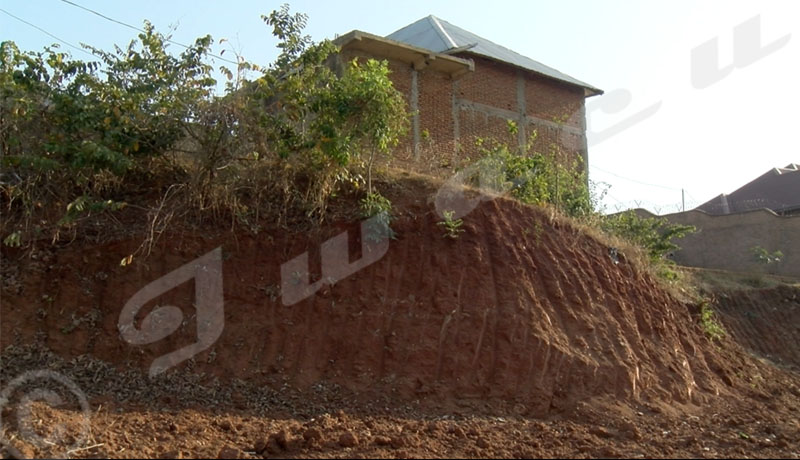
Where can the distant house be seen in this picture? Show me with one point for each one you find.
(764, 213)
(460, 86)
(777, 190)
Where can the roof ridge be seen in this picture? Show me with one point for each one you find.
(492, 42)
(441, 36)
(522, 56)
(446, 38)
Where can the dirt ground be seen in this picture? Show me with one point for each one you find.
(524, 337)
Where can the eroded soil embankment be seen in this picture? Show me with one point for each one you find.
(521, 307)
(765, 321)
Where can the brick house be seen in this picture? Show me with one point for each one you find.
(460, 86)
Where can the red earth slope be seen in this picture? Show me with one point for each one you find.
(522, 307)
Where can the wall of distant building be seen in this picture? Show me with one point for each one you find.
(726, 242)
(450, 114)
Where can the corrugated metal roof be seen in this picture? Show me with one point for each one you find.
(440, 36)
(778, 189)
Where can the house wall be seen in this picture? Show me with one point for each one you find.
(725, 241)
(453, 113)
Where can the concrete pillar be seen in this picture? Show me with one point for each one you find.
(523, 110)
(584, 140)
(456, 120)
(415, 113)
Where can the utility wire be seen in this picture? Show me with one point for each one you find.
(138, 29)
(46, 32)
(634, 180)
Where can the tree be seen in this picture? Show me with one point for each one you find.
(85, 132)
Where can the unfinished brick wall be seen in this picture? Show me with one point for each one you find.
(553, 101)
(453, 113)
(492, 83)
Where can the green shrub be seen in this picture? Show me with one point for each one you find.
(147, 119)
(534, 177)
(653, 234)
(378, 208)
(712, 328)
(452, 227)
(765, 257)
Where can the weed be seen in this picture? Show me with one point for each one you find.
(13, 240)
(712, 328)
(377, 206)
(765, 257)
(452, 227)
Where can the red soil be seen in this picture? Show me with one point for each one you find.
(765, 321)
(523, 315)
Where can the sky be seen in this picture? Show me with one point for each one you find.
(700, 96)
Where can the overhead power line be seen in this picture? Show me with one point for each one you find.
(107, 18)
(634, 180)
(46, 32)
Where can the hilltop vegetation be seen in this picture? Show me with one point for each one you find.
(143, 127)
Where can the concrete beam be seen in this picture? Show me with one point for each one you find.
(512, 115)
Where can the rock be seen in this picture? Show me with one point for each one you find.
(225, 425)
(283, 439)
(348, 439)
(312, 435)
(20, 451)
(260, 445)
(382, 440)
(609, 452)
(601, 432)
(457, 432)
(174, 454)
(272, 446)
(631, 431)
(397, 442)
(229, 452)
(482, 443)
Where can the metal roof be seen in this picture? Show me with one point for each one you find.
(442, 37)
(418, 57)
(778, 189)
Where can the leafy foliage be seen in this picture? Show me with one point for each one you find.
(82, 136)
(712, 328)
(765, 257)
(540, 178)
(378, 207)
(452, 227)
(653, 234)
(71, 131)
